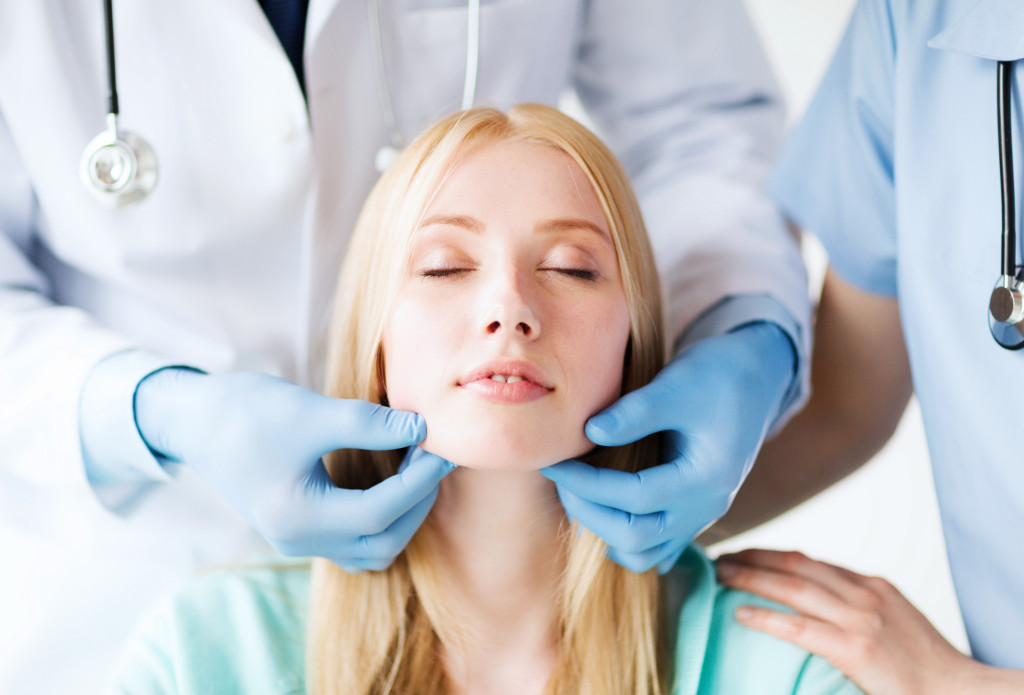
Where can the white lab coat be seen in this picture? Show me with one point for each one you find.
(230, 262)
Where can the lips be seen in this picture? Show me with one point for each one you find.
(507, 381)
(508, 371)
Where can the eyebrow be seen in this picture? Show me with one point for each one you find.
(569, 223)
(562, 224)
(465, 221)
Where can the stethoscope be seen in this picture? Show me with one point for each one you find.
(387, 154)
(1006, 305)
(119, 167)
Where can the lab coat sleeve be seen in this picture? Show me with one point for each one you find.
(683, 93)
(835, 175)
(47, 352)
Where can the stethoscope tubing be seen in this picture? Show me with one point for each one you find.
(472, 53)
(380, 73)
(140, 155)
(1006, 303)
(108, 30)
(1004, 99)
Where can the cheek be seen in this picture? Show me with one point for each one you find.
(413, 356)
(595, 369)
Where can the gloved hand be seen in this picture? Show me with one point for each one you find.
(258, 441)
(714, 402)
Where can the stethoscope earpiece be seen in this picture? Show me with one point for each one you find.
(118, 167)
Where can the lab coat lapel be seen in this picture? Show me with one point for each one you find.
(991, 29)
(317, 14)
(249, 13)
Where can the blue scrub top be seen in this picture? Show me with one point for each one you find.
(895, 167)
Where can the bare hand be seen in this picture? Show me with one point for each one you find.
(862, 625)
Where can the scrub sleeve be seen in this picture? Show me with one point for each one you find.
(835, 175)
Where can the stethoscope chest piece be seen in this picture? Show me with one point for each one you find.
(118, 167)
(1006, 312)
(385, 157)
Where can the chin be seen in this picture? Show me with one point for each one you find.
(483, 448)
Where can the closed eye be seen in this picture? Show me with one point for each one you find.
(581, 273)
(443, 272)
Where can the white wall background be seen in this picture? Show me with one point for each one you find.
(883, 520)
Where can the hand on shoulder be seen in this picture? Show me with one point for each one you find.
(862, 625)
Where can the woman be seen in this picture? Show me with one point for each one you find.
(500, 283)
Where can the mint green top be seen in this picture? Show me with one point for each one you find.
(242, 630)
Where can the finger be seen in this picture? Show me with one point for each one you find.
(671, 559)
(354, 424)
(367, 512)
(628, 533)
(651, 490)
(642, 561)
(350, 567)
(815, 636)
(386, 545)
(358, 565)
(632, 417)
(838, 580)
(799, 593)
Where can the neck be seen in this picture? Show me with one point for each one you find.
(500, 536)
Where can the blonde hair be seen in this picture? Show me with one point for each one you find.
(382, 632)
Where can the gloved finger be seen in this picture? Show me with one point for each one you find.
(639, 562)
(639, 413)
(336, 423)
(360, 565)
(671, 558)
(663, 557)
(623, 531)
(372, 564)
(648, 491)
(387, 544)
(367, 512)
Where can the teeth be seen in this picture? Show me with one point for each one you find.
(506, 379)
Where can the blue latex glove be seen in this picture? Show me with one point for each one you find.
(715, 402)
(258, 441)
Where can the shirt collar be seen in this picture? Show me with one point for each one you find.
(992, 29)
(694, 574)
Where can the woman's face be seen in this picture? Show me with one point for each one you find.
(509, 329)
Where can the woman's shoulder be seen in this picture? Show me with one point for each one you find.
(241, 628)
(716, 654)
(271, 588)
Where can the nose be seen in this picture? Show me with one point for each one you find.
(511, 309)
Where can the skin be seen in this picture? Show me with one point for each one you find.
(506, 284)
(515, 262)
(864, 626)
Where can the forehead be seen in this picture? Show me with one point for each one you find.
(510, 181)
